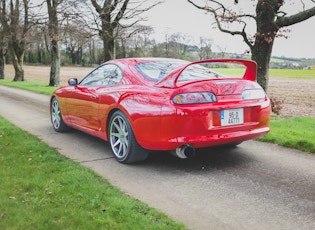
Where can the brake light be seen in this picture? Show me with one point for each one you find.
(251, 94)
(194, 98)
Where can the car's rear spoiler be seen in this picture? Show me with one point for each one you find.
(250, 73)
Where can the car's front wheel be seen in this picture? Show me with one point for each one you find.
(56, 117)
(122, 140)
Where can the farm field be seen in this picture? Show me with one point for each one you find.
(294, 87)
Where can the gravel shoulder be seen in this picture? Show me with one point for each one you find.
(298, 95)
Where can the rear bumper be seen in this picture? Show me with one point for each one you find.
(200, 126)
(215, 139)
(204, 129)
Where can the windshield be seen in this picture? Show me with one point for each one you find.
(156, 70)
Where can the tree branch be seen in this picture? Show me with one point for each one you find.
(121, 12)
(228, 17)
(97, 7)
(296, 18)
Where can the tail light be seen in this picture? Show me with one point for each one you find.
(194, 98)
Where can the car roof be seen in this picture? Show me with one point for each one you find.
(146, 59)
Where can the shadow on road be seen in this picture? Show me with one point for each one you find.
(208, 159)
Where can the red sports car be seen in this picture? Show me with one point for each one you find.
(143, 104)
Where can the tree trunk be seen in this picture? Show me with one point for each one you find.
(72, 55)
(264, 39)
(2, 63)
(19, 71)
(123, 47)
(261, 54)
(17, 56)
(53, 32)
(108, 43)
(55, 64)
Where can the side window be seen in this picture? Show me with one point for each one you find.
(107, 75)
(113, 75)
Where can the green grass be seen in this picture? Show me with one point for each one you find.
(40, 189)
(293, 73)
(289, 73)
(38, 87)
(231, 72)
(297, 133)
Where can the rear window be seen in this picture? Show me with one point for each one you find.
(213, 70)
(197, 73)
(157, 70)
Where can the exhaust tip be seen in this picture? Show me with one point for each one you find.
(185, 151)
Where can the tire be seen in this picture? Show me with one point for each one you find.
(122, 140)
(56, 116)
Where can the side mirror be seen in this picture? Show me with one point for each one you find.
(73, 81)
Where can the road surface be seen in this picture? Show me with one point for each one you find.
(253, 186)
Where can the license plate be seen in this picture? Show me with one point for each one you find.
(232, 117)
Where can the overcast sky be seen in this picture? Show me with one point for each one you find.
(180, 16)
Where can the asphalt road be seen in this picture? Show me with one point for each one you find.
(253, 186)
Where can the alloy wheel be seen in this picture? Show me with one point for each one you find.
(119, 137)
(55, 114)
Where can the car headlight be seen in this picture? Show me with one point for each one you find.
(251, 94)
(194, 98)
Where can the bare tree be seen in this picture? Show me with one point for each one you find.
(136, 39)
(16, 22)
(269, 20)
(111, 14)
(205, 48)
(179, 43)
(76, 38)
(36, 51)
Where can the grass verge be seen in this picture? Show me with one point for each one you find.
(293, 73)
(287, 73)
(40, 189)
(37, 87)
(296, 132)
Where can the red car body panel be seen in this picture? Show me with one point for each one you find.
(158, 123)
